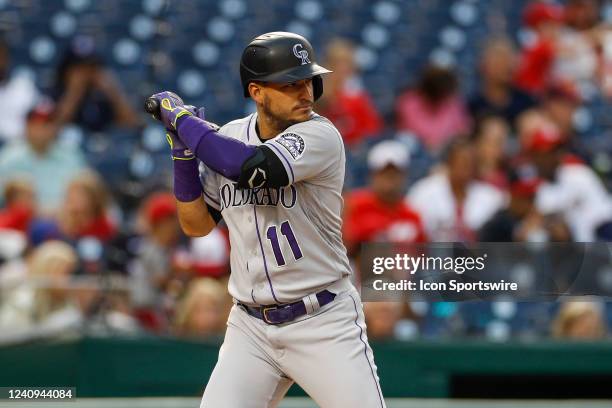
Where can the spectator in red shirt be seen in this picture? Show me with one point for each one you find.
(379, 212)
(345, 102)
(434, 110)
(537, 63)
(560, 102)
(19, 205)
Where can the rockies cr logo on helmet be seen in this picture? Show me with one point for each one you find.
(301, 53)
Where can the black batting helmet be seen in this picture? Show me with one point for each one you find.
(280, 57)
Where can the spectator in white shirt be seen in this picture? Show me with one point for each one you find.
(17, 96)
(453, 204)
(571, 188)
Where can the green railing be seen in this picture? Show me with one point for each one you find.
(152, 366)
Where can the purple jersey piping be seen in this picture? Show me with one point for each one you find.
(284, 158)
(263, 254)
(365, 352)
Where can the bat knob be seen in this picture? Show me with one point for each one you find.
(151, 106)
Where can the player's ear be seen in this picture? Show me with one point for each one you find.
(255, 92)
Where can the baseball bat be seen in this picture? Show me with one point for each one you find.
(151, 106)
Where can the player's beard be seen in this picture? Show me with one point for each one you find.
(275, 120)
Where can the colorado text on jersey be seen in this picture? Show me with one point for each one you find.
(232, 196)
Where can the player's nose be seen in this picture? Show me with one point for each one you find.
(306, 91)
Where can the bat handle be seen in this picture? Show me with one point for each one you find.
(151, 106)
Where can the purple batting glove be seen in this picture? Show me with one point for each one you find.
(171, 107)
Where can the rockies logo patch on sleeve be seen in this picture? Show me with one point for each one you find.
(293, 143)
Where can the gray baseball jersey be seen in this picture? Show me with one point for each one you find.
(285, 242)
(285, 246)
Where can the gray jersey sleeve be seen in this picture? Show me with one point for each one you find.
(210, 184)
(308, 150)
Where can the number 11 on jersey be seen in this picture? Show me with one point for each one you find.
(286, 230)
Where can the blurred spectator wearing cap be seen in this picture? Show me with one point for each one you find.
(570, 189)
(580, 320)
(570, 45)
(433, 110)
(537, 63)
(344, 101)
(18, 94)
(203, 310)
(87, 92)
(209, 255)
(453, 204)
(506, 224)
(497, 94)
(555, 114)
(559, 104)
(379, 212)
(490, 141)
(520, 221)
(153, 268)
(530, 121)
(40, 158)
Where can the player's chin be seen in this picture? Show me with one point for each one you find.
(302, 114)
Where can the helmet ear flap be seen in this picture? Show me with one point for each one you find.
(317, 86)
(245, 87)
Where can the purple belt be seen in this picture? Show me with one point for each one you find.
(278, 314)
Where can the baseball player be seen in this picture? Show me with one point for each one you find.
(275, 177)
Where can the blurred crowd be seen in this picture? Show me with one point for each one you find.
(505, 164)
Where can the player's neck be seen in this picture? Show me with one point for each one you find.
(266, 129)
(269, 126)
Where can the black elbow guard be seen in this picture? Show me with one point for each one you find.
(263, 169)
(214, 213)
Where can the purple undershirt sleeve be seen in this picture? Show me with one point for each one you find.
(222, 154)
